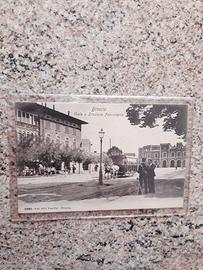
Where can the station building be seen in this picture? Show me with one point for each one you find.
(164, 155)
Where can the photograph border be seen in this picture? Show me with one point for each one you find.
(100, 214)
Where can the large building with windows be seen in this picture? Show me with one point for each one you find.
(38, 121)
(164, 155)
(86, 145)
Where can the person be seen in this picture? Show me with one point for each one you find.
(90, 168)
(115, 169)
(143, 175)
(96, 167)
(107, 172)
(151, 175)
(73, 168)
(53, 170)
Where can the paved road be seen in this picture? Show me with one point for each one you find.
(91, 189)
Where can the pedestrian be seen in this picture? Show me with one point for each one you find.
(151, 175)
(90, 168)
(73, 168)
(143, 176)
(107, 172)
(96, 167)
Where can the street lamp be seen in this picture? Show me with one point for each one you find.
(101, 136)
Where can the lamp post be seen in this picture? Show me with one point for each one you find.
(101, 136)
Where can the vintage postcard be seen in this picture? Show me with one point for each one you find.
(101, 157)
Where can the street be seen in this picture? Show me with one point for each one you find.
(71, 189)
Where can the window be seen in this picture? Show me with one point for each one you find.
(70, 130)
(164, 154)
(57, 127)
(67, 129)
(48, 124)
(74, 143)
(48, 139)
(31, 119)
(19, 116)
(156, 155)
(179, 154)
(35, 121)
(173, 154)
(67, 142)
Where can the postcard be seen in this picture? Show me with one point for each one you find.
(100, 157)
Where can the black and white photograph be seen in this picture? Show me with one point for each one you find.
(100, 156)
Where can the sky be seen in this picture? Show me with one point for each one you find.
(118, 130)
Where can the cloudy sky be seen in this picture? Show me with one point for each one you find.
(118, 130)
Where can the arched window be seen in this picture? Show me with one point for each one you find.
(179, 153)
(164, 154)
(173, 154)
(172, 164)
(164, 165)
(179, 163)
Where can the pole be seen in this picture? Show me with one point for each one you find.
(100, 168)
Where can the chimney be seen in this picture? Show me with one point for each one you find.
(68, 112)
(45, 104)
(54, 107)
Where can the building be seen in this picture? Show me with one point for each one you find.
(131, 158)
(164, 155)
(37, 121)
(86, 145)
(131, 161)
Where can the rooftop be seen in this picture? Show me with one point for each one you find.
(40, 110)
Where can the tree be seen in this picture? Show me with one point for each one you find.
(66, 155)
(31, 152)
(116, 155)
(78, 155)
(174, 117)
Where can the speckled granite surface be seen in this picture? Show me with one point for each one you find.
(103, 47)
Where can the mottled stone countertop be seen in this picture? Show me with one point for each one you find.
(103, 47)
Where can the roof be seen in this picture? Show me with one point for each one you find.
(40, 110)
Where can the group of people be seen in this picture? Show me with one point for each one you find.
(146, 176)
(43, 170)
(111, 171)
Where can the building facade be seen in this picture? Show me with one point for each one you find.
(164, 155)
(38, 121)
(86, 145)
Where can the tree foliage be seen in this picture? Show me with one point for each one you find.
(116, 155)
(174, 117)
(32, 152)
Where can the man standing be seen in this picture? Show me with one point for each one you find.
(151, 175)
(143, 175)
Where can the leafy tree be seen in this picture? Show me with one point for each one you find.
(78, 155)
(116, 155)
(24, 153)
(174, 117)
(31, 152)
(66, 155)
